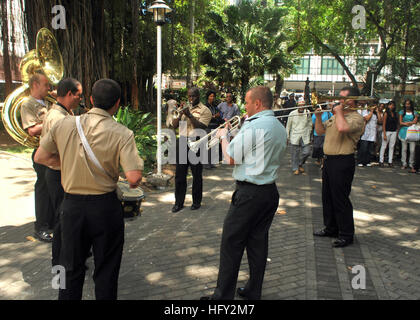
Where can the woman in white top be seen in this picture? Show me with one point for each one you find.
(368, 138)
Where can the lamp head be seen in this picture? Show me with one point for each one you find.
(159, 9)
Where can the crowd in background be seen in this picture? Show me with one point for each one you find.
(383, 142)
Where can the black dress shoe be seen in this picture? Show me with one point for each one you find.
(325, 233)
(340, 243)
(177, 208)
(241, 293)
(195, 206)
(43, 236)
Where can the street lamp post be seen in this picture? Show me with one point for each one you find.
(159, 10)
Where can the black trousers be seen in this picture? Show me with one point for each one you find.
(364, 155)
(181, 179)
(56, 193)
(95, 221)
(417, 157)
(337, 177)
(44, 212)
(246, 225)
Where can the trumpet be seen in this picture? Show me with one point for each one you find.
(211, 139)
(177, 112)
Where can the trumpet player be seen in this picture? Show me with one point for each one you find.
(33, 113)
(197, 116)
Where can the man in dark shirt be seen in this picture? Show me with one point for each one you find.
(291, 103)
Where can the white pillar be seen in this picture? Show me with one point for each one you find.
(159, 99)
(371, 88)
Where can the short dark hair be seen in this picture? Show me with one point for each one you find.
(195, 91)
(105, 93)
(66, 85)
(353, 91)
(264, 94)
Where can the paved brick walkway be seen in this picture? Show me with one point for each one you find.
(176, 256)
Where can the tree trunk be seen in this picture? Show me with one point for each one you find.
(338, 58)
(244, 86)
(404, 74)
(6, 57)
(279, 83)
(189, 57)
(150, 93)
(82, 44)
(134, 84)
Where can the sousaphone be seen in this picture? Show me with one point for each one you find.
(46, 58)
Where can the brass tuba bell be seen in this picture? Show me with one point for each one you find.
(47, 58)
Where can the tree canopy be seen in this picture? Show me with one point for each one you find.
(229, 46)
(245, 41)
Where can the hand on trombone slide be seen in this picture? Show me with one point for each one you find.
(222, 132)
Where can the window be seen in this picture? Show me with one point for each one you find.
(303, 66)
(330, 66)
(363, 64)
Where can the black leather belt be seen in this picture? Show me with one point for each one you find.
(245, 183)
(340, 156)
(89, 197)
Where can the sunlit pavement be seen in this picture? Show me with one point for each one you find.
(176, 256)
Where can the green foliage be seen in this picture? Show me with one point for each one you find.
(142, 125)
(245, 41)
(327, 27)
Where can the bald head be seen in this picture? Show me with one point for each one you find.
(194, 96)
(263, 94)
(39, 85)
(37, 77)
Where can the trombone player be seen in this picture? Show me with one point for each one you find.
(33, 112)
(255, 199)
(342, 132)
(196, 116)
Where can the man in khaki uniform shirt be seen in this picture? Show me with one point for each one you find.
(33, 111)
(198, 116)
(342, 132)
(69, 93)
(91, 213)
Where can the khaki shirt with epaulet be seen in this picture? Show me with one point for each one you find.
(32, 112)
(337, 143)
(53, 115)
(112, 143)
(201, 113)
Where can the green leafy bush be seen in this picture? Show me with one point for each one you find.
(142, 124)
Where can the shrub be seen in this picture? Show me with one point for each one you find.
(142, 125)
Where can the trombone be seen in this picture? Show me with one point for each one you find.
(234, 124)
(316, 99)
(328, 110)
